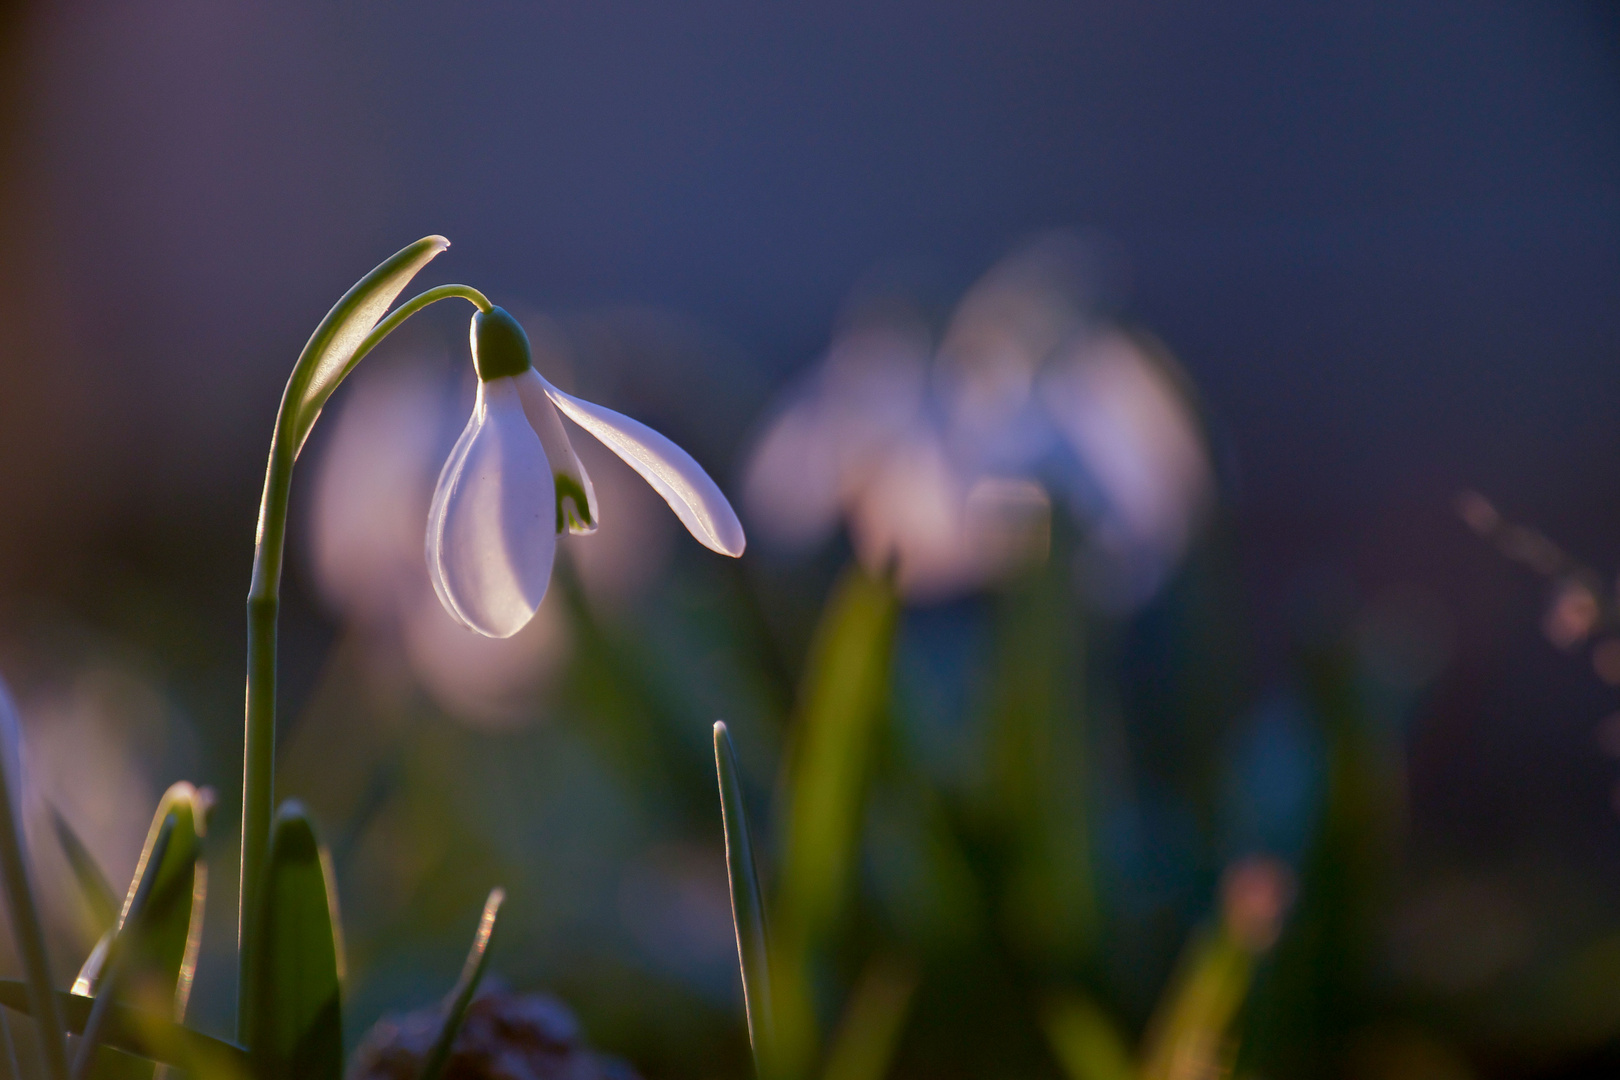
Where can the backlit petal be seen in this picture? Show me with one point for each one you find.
(576, 499)
(492, 528)
(694, 497)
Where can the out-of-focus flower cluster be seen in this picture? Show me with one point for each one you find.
(944, 460)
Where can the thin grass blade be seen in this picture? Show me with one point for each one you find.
(747, 902)
(99, 898)
(869, 1033)
(138, 1033)
(25, 924)
(843, 706)
(472, 973)
(121, 948)
(1085, 1041)
(158, 969)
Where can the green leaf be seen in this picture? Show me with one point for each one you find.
(866, 1039)
(99, 897)
(139, 1033)
(1085, 1041)
(843, 703)
(329, 354)
(472, 973)
(162, 955)
(20, 904)
(119, 951)
(747, 903)
(294, 1022)
(1036, 767)
(1188, 1034)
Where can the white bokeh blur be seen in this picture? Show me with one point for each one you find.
(944, 463)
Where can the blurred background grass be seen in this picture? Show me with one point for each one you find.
(1382, 245)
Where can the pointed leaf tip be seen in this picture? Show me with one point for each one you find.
(472, 973)
(294, 1017)
(328, 355)
(747, 902)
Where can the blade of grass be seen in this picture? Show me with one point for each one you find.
(472, 973)
(157, 973)
(747, 903)
(94, 887)
(120, 946)
(1085, 1041)
(25, 924)
(136, 1032)
(1037, 772)
(1188, 1037)
(843, 704)
(869, 1033)
(13, 1070)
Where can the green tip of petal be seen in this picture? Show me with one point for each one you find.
(573, 506)
(499, 346)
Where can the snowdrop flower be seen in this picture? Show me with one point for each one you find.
(513, 483)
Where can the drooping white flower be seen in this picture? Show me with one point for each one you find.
(513, 483)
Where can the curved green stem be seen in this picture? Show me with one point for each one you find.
(263, 605)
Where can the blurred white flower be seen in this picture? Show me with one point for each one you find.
(943, 463)
(513, 482)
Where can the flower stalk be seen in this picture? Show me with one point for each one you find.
(350, 330)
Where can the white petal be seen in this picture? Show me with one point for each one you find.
(566, 470)
(694, 497)
(492, 529)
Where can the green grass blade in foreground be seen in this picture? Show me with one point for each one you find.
(747, 904)
(472, 973)
(294, 1028)
(25, 924)
(843, 703)
(1085, 1041)
(1036, 769)
(118, 952)
(99, 898)
(142, 1034)
(162, 956)
(868, 1035)
(1188, 1035)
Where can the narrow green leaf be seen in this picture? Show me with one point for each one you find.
(1085, 1041)
(868, 1035)
(472, 973)
(1188, 1035)
(843, 703)
(1036, 767)
(121, 947)
(25, 924)
(13, 1070)
(136, 1032)
(330, 351)
(294, 1025)
(99, 898)
(162, 955)
(747, 903)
